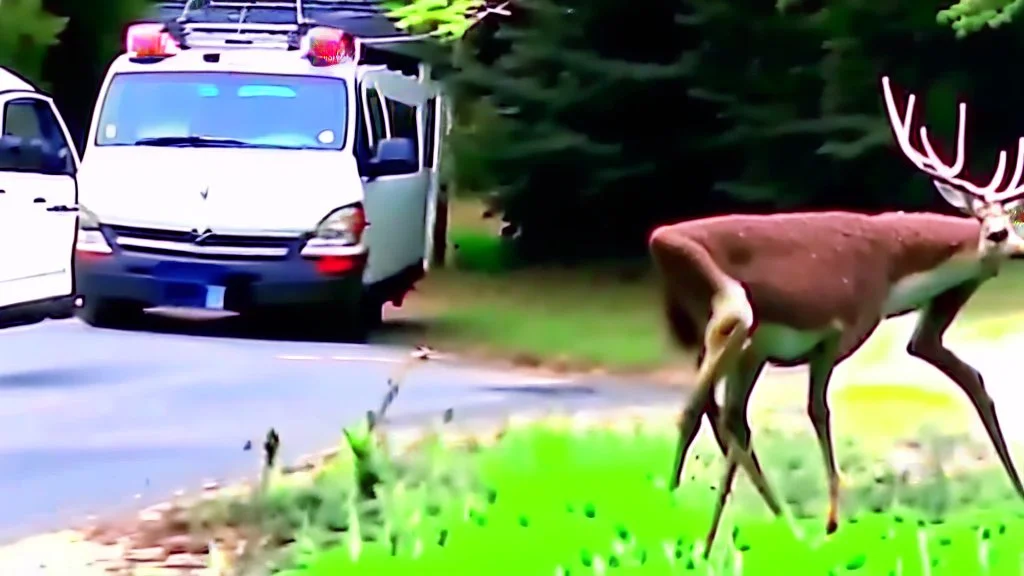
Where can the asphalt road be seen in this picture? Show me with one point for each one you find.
(99, 421)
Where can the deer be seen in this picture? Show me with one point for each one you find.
(809, 288)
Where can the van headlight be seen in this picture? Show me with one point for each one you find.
(90, 237)
(340, 232)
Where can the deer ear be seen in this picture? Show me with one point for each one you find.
(956, 198)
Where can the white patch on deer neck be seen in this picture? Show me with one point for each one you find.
(916, 290)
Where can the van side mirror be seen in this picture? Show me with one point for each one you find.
(394, 156)
(34, 155)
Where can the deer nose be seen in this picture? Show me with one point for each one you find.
(998, 235)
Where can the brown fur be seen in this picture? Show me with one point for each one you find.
(803, 270)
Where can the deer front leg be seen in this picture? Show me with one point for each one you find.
(927, 345)
(822, 363)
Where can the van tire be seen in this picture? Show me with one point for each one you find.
(104, 313)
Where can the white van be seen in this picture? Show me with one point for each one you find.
(276, 158)
(38, 197)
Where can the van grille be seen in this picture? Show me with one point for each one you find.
(213, 246)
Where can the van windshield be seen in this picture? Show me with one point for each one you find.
(224, 109)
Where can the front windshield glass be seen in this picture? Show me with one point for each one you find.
(224, 109)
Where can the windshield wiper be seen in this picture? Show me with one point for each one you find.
(195, 141)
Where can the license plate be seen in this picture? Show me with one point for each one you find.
(215, 297)
(189, 272)
(189, 295)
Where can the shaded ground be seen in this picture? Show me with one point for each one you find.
(594, 317)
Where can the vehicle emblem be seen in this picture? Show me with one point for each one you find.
(202, 237)
(205, 192)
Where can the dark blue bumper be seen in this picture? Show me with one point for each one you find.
(153, 280)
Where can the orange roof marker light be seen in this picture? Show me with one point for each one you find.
(150, 41)
(325, 46)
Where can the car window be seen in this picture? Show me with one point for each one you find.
(402, 118)
(429, 132)
(378, 128)
(33, 119)
(242, 109)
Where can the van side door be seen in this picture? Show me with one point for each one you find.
(433, 126)
(396, 198)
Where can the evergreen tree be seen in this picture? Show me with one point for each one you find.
(93, 38)
(579, 125)
(27, 32)
(800, 104)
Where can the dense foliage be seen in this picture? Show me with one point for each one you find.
(967, 16)
(592, 121)
(599, 120)
(27, 32)
(65, 46)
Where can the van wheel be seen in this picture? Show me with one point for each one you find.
(103, 313)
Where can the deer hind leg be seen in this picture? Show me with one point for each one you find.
(822, 363)
(732, 319)
(927, 345)
(714, 417)
(713, 413)
(738, 387)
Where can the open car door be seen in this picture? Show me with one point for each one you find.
(38, 208)
(396, 194)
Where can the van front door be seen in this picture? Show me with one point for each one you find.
(39, 201)
(395, 203)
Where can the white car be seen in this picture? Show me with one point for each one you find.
(265, 162)
(38, 199)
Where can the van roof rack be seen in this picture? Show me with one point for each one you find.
(273, 23)
(283, 23)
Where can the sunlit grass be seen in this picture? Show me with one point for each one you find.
(888, 411)
(550, 500)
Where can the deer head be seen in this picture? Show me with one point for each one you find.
(992, 204)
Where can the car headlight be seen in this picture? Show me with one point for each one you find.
(346, 224)
(90, 237)
(340, 232)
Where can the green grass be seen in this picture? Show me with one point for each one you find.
(548, 500)
(606, 316)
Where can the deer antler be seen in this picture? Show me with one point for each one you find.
(930, 163)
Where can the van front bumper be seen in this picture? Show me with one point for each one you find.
(159, 280)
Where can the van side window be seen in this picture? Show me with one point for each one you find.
(377, 129)
(34, 119)
(403, 122)
(429, 132)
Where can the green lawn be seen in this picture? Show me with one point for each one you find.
(595, 317)
(576, 318)
(546, 500)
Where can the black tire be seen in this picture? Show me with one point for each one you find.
(103, 313)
